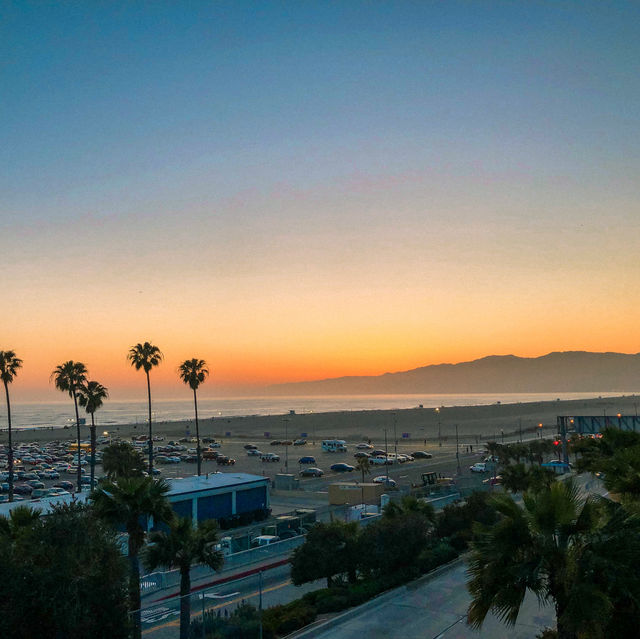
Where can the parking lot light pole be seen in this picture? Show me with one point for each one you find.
(457, 451)
(286, 446)
(386, 456)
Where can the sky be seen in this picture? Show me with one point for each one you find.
(301, 190)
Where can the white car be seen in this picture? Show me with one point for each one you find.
(254, 452)
(380, 461)
(479, 467)
(383, 479)
(364, 446)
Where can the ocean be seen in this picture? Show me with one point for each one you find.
(60, 414)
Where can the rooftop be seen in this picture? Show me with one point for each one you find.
(212, 480)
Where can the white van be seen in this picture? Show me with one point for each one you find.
(264, 540)
(334, 446)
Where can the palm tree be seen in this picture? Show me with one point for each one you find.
(129, 503)
(550, 546)
(9, 365)
(146, 356)
(193, 372)
(121, 459)
(69, 378)
(90, 396)
(180, 547)
(362, 464)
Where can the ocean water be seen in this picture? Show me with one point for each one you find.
(60, 414)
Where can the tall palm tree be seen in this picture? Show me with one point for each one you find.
(69, 378)
(90, 396)
(181, 547)
(146, 356)
(9, 365)
(129, 503)
(550, 546)
(193, 372)
(362, 464)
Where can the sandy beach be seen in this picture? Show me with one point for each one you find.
(475, 423)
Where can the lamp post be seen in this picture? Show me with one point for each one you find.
(395, 435)
(439, 430)
(286, 445)
(457, 452)
(386, 456)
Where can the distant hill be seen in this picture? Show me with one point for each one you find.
(570, 371)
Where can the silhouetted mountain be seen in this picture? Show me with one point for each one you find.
(571, 371)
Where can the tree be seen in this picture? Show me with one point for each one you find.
(517, 478)
(62, 576)
(557, 546)
(407, 506)
(129, 503)
(9, 366)
(121, 459)
(90, 396)
(193, 372)
(180, 547)
(69, 378)
(329, 550)
(146, 356)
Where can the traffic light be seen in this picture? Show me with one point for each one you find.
(556, 442)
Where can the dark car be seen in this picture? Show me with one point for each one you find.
(307, 460)
(250, 447)
(421, 454)
(342, 468)
(22, 489)
(360, 454)
(191, 459)
(375, 453)
(35, 483)
(311, 472)
(275, 442)
(66, 485)
(223, 460)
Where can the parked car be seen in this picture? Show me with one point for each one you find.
(250, 447)
(22, 489)
(478, 467)
(380, 460)
(214, 445)
(35, 483)
(270, 457)
(223, 460)
(210, 454)
(383, 479)
(311, 472)
(376, 452)
(360, 454)
(307, 460)
(421, 454)
(264, 540)
(300, 442)
(254, 452)
(342, 468)
(364, 446)
(191, 459)
(50, 474)
(64, 484)
(275, 442)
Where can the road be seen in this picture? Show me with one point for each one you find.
(434, 609)
(160, 619)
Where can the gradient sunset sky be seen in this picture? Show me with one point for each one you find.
(299, 190)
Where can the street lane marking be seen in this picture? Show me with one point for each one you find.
(218, 606)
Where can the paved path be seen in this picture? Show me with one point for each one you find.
(434, 609)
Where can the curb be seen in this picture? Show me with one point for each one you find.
(312, 629)
(223, 580)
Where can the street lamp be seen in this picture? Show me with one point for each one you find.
(286, 445)
(457, 451)
(439, 430)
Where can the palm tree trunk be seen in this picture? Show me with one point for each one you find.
(198, 452)
(10, 453)
(134, 590)
(185, 602)
(150, 428)
(93, 449)
(75, 403)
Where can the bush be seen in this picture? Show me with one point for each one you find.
(437, 555)
(281, 620)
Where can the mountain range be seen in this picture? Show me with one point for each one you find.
(569, 371)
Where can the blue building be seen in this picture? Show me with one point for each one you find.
(233, 499)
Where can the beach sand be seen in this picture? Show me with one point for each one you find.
(475, 423)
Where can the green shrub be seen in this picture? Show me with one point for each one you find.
(437, 555)
(281, 620)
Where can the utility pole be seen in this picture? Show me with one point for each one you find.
(260, 602)
(386, 456)
(457, 451)
(395, 435)
(520, 426)
(286, 446)
(439, 429)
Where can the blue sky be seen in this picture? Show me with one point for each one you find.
(348, 158)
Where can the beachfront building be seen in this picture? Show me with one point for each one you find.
(233, 499)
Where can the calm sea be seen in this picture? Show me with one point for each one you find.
(60, 414)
